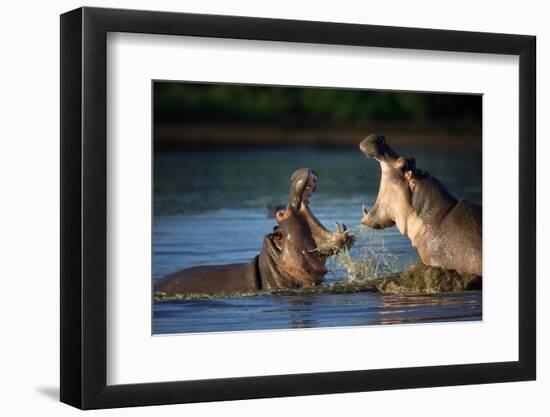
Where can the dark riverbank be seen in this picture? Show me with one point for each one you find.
(168, 136)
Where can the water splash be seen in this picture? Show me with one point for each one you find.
(367, 259)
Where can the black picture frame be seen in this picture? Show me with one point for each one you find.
(84, 207)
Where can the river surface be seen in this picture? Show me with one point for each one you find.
(210, 208)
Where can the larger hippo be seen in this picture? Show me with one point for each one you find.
(292, 256)
(445, 230)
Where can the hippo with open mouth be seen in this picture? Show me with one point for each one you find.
(446, 231)
(292, 256)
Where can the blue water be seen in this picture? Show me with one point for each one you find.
(210, 208)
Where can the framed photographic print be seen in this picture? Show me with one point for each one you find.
(258, 207)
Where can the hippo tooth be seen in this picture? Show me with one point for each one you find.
(344, 227)
(337, 227)
(365, 212)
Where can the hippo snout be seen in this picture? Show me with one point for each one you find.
(375, 146)
(372, 143)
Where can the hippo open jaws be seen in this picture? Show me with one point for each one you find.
(292, 256)
(446, 231)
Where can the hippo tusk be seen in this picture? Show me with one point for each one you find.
(347, 232)
(364, 210)
(338, 229)
(316, 250)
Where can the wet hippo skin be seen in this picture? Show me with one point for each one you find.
(446, 231)
(292, 256)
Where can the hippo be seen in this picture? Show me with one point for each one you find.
(272, 209)
(292, 256)
(446, 231)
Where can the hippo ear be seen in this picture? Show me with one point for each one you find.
(408, 175)
(282, 215)
(412, 184)
(411, 164)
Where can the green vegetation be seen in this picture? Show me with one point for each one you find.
(196, 103)
(422, 279)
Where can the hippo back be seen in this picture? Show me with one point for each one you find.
(212, 279)
(431, 200)
(453, 227)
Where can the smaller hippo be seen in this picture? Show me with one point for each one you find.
(293, 256)
(446, 231)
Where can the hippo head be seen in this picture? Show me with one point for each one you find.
(393, 203)
(294, 254)
(406, 193)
